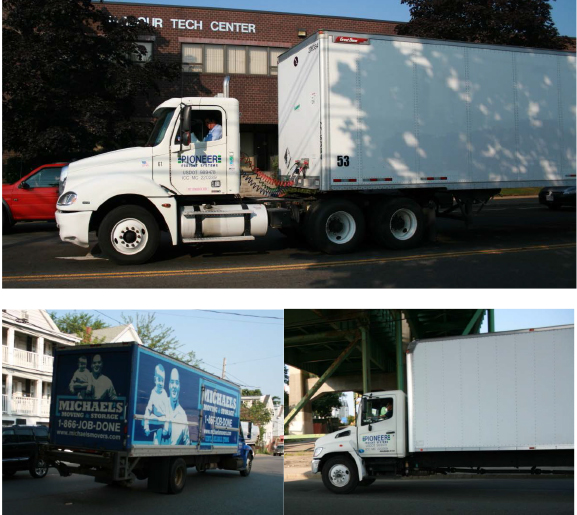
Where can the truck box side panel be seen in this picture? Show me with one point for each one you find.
(505, 391)
(187, 409)
(539, 131)
(89, 409)
(568, 113)
(492, 113)
(299, 102)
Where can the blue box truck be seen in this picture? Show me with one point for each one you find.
(122, 411)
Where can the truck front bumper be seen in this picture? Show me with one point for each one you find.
(315, 466)
(74, 226)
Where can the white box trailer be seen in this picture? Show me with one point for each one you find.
(492, 392)
(371, 112)
(500, 402)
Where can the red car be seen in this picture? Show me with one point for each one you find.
(33, 197)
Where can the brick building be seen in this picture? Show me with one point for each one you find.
(212, 43)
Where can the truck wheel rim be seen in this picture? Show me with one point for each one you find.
(178, 476)
(403, 224)
(340, 227)
(41, 467)
(339, 475)
(129, 236)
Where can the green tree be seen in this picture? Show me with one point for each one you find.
(257, 413)
(246, 392)
(81, 324)
(503, 22)
(323, 406)
(160, 338)
(71, 82)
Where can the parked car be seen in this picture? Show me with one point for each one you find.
(33, 197)
(556, 196)
(279, 450)
(20, 450)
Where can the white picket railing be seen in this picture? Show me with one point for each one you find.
(5, 354)
(4, 403)
(24, 405)
(26, 359)
(47, 362)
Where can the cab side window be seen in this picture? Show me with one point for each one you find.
(45, 178)
(8, 436)
(206, 126)
(376, 410)
(25, 435)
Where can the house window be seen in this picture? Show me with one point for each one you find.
(251, 60)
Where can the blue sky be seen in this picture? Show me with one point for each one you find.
(253, 347)
(392, 10)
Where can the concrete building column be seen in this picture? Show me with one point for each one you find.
(10, 342)
(302, 424)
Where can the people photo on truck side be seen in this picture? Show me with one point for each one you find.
(82, 378)
(157, 408)
(101, 387)
(178, 423)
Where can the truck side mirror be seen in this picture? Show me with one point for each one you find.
(185, 126)
(249, 430)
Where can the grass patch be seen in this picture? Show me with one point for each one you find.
(520, 192)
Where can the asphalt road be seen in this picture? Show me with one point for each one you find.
(432, 496)
(215, 493)
(514, 243)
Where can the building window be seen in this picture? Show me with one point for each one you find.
(143, 58)
(252, 60)
(192, 58)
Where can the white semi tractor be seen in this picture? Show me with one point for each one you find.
(500, 400)
(373, 132)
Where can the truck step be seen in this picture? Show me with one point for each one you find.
(216, 213)
(217, 238)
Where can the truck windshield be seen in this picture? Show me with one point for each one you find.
(160, 127)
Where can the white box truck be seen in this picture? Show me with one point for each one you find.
(502, 400)
(373, 130)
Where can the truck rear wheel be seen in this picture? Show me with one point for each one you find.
(177, 476)
(397, 223)
(246, 472)
(340, 475)
(129, 235)
(335, 226)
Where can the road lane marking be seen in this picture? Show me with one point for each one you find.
(281, 268)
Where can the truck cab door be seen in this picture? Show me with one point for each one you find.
(377, 426)
(200, 169)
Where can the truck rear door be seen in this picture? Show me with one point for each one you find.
(91, 390)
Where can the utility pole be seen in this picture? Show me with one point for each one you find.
(223, 367)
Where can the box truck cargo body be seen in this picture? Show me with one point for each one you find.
(473, 402)
(377, 134)
(128, 412)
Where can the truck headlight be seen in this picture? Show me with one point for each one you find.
(67, 199)
(62, 181)
(318, 451)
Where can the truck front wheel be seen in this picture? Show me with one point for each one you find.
(129, 235)
(340, 475)
(246, 471)
(335, 226)
(397, 223)
(177, 477)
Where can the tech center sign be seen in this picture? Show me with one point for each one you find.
(215, 26)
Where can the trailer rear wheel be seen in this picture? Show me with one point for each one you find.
(397, 223)
(335, 226)
(129, 235)
(177, 476)
(340, 475)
